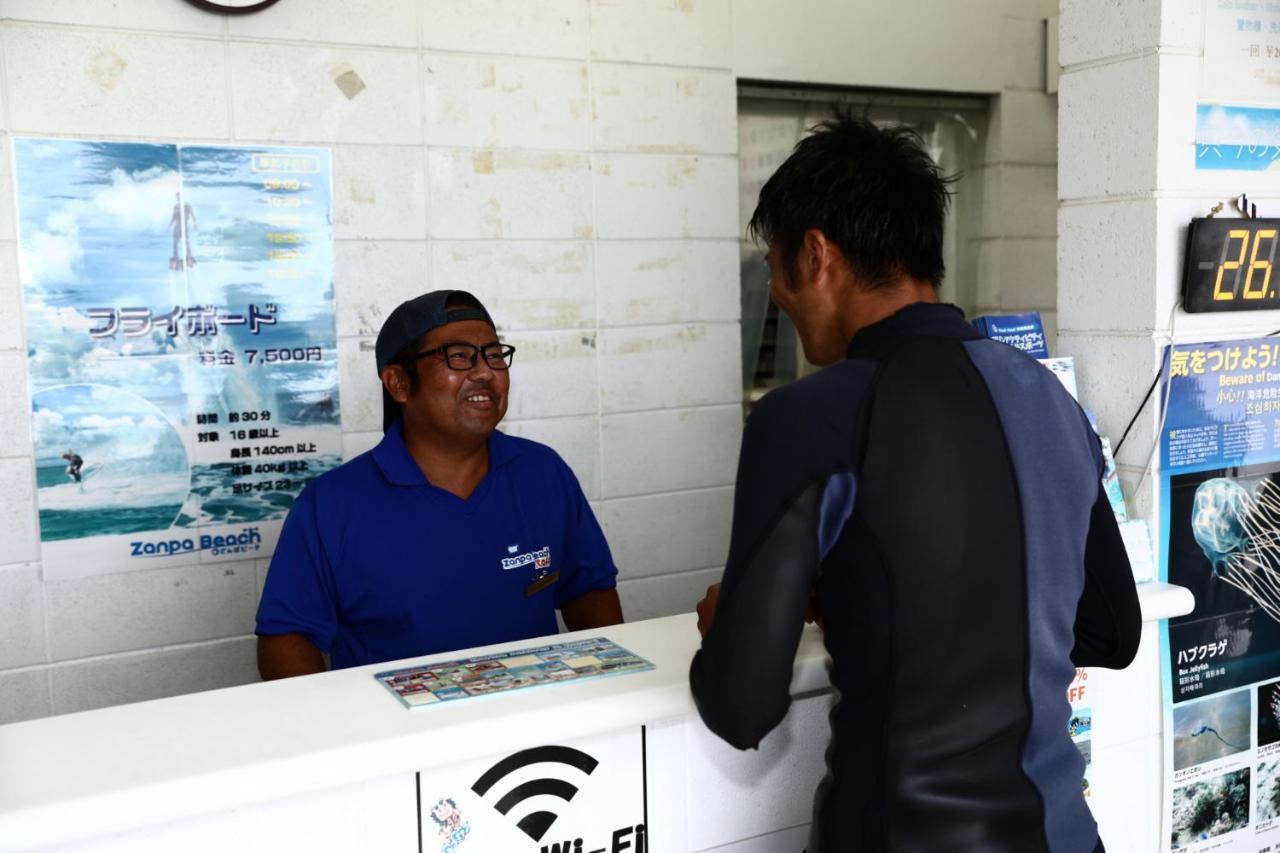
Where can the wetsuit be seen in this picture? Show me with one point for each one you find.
(942, 492)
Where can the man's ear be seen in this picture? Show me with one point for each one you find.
(396, 381)
(820, 256)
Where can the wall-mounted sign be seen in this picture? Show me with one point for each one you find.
(1230, 265)
(1220, 524)
(1241, 46)
(181, 346)
(1238, 116)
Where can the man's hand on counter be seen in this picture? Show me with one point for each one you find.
(707, 608)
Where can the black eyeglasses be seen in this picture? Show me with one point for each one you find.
(460, 356)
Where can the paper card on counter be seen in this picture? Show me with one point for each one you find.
(445, 681)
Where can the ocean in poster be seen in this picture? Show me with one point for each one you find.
(130, 498)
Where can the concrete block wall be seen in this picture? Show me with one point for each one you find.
(1110, 130)
(572, 161)
(1017, 243)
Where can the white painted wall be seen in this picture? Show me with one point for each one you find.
(571, 161)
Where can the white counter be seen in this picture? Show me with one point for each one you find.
(87, 776)
(1164, 601)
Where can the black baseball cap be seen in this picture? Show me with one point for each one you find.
(413, 319)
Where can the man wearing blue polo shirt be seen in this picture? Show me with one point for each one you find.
(448, 534)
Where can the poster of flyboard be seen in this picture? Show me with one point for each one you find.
(181, 343)
(1220, 525)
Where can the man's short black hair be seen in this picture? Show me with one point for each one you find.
(873, 191)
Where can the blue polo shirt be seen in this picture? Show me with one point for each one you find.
(376, 564)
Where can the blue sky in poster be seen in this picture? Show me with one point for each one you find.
(79, 203)
(1238, 138)
(97, 225)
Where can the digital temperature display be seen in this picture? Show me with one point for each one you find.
(1230, 265)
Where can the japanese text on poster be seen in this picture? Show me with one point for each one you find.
(1238, 117)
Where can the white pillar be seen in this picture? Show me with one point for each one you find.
(1128, 187)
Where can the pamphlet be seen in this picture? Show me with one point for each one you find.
(1021, 331)
(432, 683)
(1110, 475)
(1137, 544)
(1065, 369)
(1111, 481)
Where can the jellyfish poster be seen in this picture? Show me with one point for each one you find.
(180, 336)
(1220, 523)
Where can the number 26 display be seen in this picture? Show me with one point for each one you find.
(1230, 265)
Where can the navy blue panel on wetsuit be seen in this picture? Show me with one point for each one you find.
(950, 532)
(1058, 465)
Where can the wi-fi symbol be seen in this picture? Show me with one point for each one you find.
(535, 824)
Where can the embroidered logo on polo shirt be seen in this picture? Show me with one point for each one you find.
(540, 559)
(543, 576)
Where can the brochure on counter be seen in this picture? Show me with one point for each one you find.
(432, 683)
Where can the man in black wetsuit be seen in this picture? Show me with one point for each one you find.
(941, 495)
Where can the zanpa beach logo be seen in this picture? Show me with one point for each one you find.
(541, 559)
(246, 541)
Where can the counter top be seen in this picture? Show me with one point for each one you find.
(1164, 601)
(90, 774)
(85, 775)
